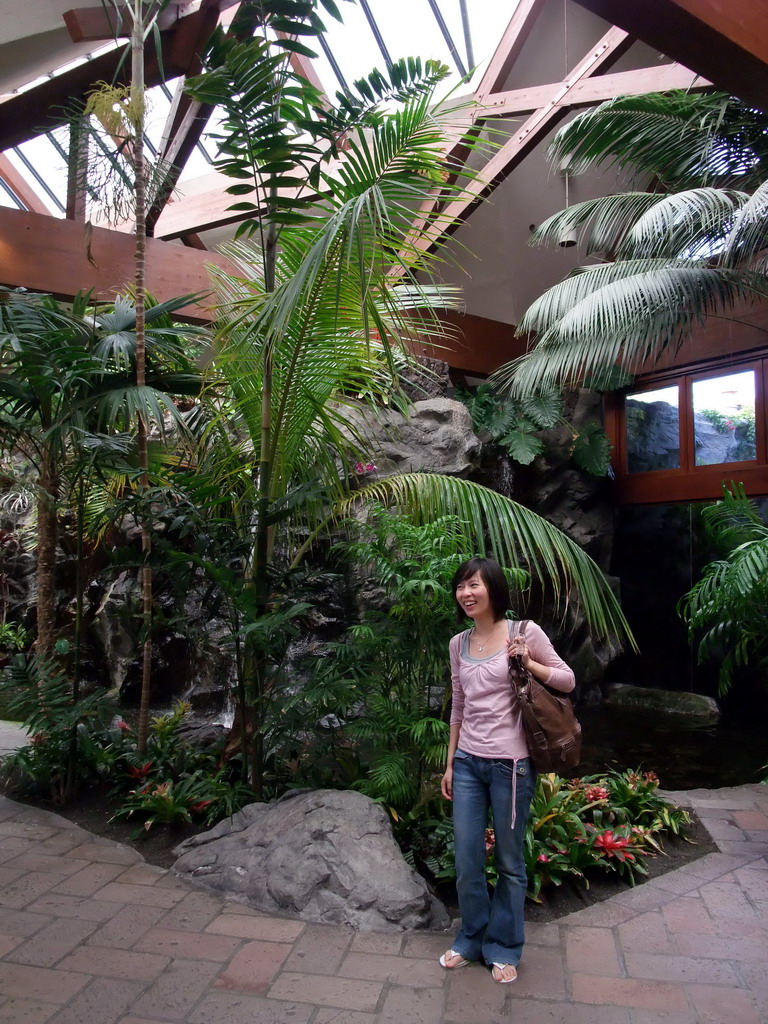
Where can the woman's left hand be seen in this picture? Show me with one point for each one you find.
(518, 648)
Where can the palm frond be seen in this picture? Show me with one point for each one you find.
(515, 535)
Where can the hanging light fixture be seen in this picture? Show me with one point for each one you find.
(568, 238)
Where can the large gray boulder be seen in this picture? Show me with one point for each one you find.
(324, 856)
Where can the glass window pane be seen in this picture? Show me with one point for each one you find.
(724, 419)
(653, 430)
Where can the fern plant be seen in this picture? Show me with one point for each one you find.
(515, 424)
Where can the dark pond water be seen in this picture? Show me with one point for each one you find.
(683, 753)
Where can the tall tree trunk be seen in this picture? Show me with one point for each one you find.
(137, 114)
(47, 537)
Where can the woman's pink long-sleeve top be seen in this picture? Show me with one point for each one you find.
(484, 700)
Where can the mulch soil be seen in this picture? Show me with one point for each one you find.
(93, 810)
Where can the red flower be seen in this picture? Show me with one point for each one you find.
(200, 805)
(595, 793)
(138, 773)
(651, 777)
(122, 725)
(614, 845)
(543, 858)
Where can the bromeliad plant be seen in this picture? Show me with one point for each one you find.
(611, 822)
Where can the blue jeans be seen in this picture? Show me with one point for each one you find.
(491, 928)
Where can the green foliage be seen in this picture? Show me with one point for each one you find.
(36, 692)
(610, 822)
(725, 610)
(13, 637)
(515, 423)
(385, 682)
(691, 245)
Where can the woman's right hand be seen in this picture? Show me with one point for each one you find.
(446, 783)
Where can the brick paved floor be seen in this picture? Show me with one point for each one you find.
(91, 934)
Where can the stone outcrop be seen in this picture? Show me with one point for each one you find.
(436, 437)
(323, 856)
(671, 702)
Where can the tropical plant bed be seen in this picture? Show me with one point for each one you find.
(92, 811)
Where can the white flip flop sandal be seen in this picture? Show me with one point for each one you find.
(450, 955)
(501, 979)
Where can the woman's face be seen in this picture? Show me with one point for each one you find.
(472, 595)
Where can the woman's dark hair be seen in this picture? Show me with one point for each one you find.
(494, 579)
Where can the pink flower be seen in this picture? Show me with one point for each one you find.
(595, 793)
(651, 777)
(490, 840)
(543, 858)
(122, 725)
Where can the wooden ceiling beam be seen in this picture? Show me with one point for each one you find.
(595, 89)
(43, 107)
(723, 40)
(510, 45)
(63, 257)
(21, 188)
(100, 24)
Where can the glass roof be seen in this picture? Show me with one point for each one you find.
(461, 33)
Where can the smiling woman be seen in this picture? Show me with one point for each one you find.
(488, 765)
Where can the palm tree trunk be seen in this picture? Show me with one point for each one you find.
(137, 108)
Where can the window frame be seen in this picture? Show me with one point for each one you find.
(690, 482)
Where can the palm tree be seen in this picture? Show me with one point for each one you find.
(691, 245)
(315, 317)
(68, 374)
(725, 610)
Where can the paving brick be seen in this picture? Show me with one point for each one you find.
(413, 972)
(253, 968)
(720, 1005)
(8, 943)
(663, 1017)
(331, 1015)
(600, 915)
(537, 1011)
(321, 990)
(426, 944)
(26, 1011)
(727, 900)
(233, 907)
(21, 923)
(115, 963)
(8, 875)
(104, 850)
(383, 942)
(48, 946)
(27, 888)
(177, 990)
(542, 934)
(104, 1001)
(126, 926)
(150, 896)
(641, 898)
(62, 842)
(651, 995)
(724, 947)
(193, 912)
(753, 882)
(89, 879)
(270, 929)
(230, 1008)
(13, 846)
(592, 950)
(715, 865)
(40, 983)
(414, 1005)
(664, 967)
(688, 914)
(61, 905)
(473, 996)
(541, 974)
(755, 820)
(142, 874)
(23, 830)
(319, 949)
(679, 882)
(48, 864)
(196, 945)
(646, 933)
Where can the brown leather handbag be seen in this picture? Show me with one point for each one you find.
(551, 729)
